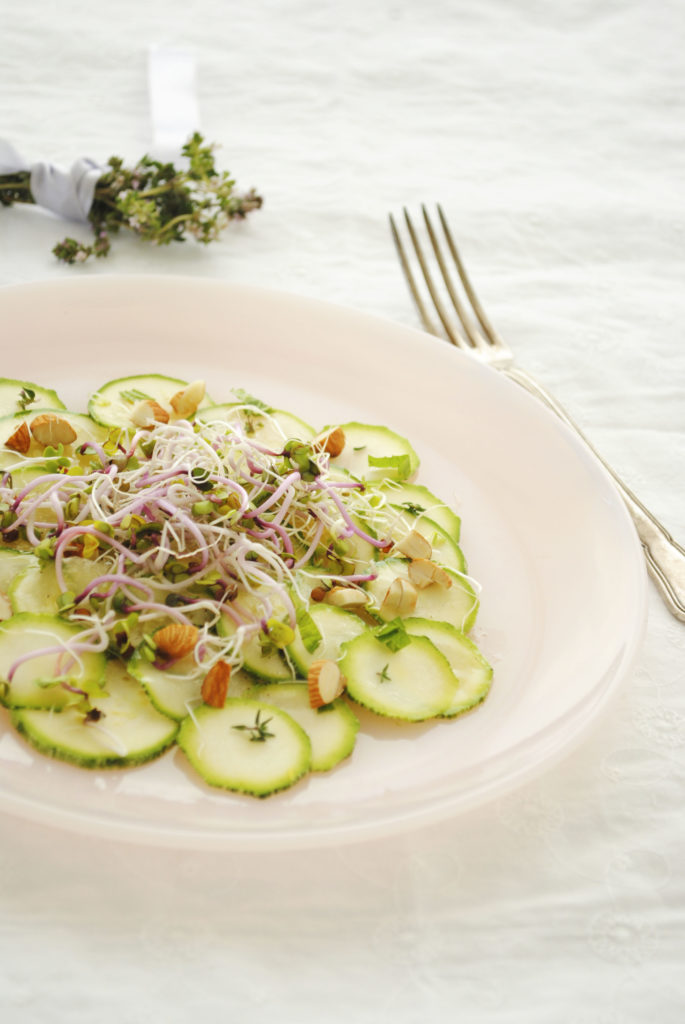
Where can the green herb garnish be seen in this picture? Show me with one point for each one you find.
(258, 732)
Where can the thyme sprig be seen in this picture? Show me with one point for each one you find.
(157, 201)
(258, 732)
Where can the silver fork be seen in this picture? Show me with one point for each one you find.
(665, 558)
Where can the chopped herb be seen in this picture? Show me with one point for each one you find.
(401, 464)
(258, 732)
(309, 631)
(383, 674)
(27, 396)
(393, 634)
(412, 508)
(134, 395)
(247, 399)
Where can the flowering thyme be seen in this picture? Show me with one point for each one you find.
(156, 201)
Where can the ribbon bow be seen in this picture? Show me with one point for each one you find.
(69, 194)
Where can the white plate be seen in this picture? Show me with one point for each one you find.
(563, 600)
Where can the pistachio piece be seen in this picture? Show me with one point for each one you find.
(52, 430)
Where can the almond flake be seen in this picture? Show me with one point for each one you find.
(20, 441)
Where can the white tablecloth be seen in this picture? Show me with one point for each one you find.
(554, 136)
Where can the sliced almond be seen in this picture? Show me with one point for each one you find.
(325, 681)
(176, 640)
(346, 597)
(48, 429)
(422, 572)
(148, 412)
(333, 442)
(185, 403)
(400, 599)
(20, 441)
(414, 545)
(215, 684)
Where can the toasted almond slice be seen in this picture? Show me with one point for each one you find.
(215, 684)
(148, 412)
(325, 681)
(422, 572)
(176, 640)
(346, 597)
(20, 441)
(332, 442)
(400, 599)
(185, 403)
(48, 429)
(414, 545)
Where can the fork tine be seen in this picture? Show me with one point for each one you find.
(416, 295)
(450, 330)
(489, 331)
(472, 336)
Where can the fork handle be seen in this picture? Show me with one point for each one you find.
(665, 558)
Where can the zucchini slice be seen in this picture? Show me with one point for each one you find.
(36, 682)
(457, 604)
(173, 691)
(223, 746)
(124, 730)
(375, 453)
(112, 403)
(12, 565)
(11, 396)
(271, 428)
(37, 588)
(336, 626)
(417, 499)
(332, 730)
(411, 684)
(473, 673)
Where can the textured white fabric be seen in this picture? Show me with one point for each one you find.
(554, 136)
(69, 194)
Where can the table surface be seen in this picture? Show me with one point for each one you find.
(553, 135)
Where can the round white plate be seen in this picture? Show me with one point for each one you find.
(563, 598)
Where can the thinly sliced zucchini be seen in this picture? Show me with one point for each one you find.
(15, 393)
(418, 499)
(336, 626)
(124, 729)
(376, 453)
(412, 684)
(474, 674)
(332, 730)
(36, 683)
(174, 691)
(112, 404)
(247, 746)
(12, 565)
(457, 604)
(260, 658)
(37, 589)
(270, 428)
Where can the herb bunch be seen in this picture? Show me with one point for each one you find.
(158, 201)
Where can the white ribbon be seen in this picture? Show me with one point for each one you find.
(173, 101)
(173, 106)
(69, 194)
